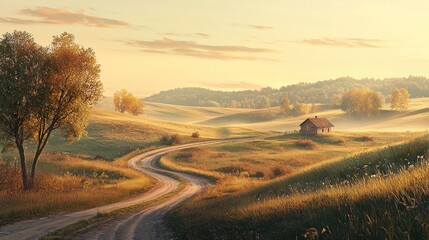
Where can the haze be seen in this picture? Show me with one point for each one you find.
(148, 46)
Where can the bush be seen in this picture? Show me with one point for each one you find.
(171, 139)
(280, 171)
(308, 144)
(364, 139)
(259, 174)
(196, 135)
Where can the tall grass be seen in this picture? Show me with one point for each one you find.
(382, 194)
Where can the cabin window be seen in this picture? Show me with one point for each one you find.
(323, 130)
(329, 129)
(308, 128)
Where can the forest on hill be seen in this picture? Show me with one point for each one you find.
(319, 92)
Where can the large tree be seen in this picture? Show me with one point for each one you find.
(362, 102)
(44, 89)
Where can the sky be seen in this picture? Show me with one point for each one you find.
(149, 46)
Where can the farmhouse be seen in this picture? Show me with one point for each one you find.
(315, 126)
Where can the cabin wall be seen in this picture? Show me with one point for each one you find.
(308, 128)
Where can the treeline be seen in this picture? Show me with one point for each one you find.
(329, 92)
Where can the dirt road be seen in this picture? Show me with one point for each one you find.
(146, 224)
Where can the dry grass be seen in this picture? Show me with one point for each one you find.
(66, 183)
(305, 143)
(274, 157)
(382, 194)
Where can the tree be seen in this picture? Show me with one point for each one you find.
(42, 90)
(284, 105)
(362, 102)
(126, 102)
(301, 108)
(399, 100)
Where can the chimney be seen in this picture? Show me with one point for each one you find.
(315, 117)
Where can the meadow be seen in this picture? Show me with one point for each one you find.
(277, 156)
(380, 193)
(93, 171)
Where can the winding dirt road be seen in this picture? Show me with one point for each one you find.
(146, 224)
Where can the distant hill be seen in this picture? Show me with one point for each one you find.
(318, 92)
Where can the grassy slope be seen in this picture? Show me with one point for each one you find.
(414, 119)
(381, 194)
(111, 134)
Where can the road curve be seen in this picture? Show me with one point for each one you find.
(146, 224)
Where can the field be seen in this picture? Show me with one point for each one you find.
(378, 194)
(112, 135)
(274, 157)
(93, 171)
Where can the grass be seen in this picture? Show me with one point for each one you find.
(377, 194)
(275, 156)
(66, 183)
(87, 224)
(92, 171)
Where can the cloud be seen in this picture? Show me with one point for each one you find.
(198, 34)
(194, 49)
(233, 85)
(257, 27)
(260, 27)
(47, 15)
(345, 42)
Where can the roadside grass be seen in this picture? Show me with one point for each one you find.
(66, 183)
(88, 224)
(377, 194)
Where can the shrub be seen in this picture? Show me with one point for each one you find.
(308, 144)
(259, 174)
(196, 135)
(364, 139)
(280, 171)
(171, 139)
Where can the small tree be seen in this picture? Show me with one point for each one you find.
(44, 89)
(400, 98)
(301, 108)
(284, 105)
(126, 102)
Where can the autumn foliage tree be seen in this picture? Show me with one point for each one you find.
(399, 100)
(362, 102)
(126, 102)
(43, 89)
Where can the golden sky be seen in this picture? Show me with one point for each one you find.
(147, 46)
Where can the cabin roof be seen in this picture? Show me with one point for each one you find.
(319, 122)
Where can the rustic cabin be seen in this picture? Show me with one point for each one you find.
(316, 126)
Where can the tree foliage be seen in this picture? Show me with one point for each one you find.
(301, 108)
(126, 102)
(362, 102)
(399, 99)
(43, 89)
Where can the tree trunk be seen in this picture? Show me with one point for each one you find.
(26, 184)
(34, 165)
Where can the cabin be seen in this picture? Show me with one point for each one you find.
(316, 126)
